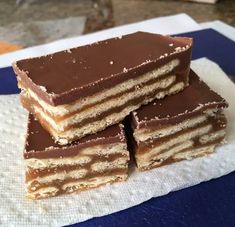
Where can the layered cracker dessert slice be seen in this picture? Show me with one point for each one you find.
(183, 126)
(95, 160)
(83, 90)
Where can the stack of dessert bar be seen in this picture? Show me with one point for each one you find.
(182, 126)
(77, 99)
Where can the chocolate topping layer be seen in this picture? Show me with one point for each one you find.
(65, 76)
(39, 144)
(194, 99)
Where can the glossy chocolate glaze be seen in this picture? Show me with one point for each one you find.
(39, 144)
(192, 101)
(66, 76)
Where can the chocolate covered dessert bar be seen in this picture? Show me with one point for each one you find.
(83, 90)
(94, 160)
(182, 126)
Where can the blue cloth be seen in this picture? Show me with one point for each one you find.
(207, 204)
(216, 47)
(8, 83)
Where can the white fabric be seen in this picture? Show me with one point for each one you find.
(163, 25)
(16, 210)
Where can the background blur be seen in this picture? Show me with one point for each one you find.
(25, 23)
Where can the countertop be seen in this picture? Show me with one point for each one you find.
(85, 16)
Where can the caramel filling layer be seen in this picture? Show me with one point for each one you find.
(34, 186)
(27, 104)
(58, 118)
(33, 105)
(157, 163)
(34, 173)
(217, 123)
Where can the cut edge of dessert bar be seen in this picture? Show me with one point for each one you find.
(41, 74)
(187, 125)
(157, 66)
(95, 160)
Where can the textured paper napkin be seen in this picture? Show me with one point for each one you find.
(16, 210)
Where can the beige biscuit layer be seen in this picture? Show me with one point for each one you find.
(196, 132)
(157, 159)
(196, 152)
(81, 173)
(171, 151)
(35, 163)
(74, 186)
(94, 169)
(84, 157)
(103, 166)
(43, 193)
(117, 89)
(93, 183)
(145, 134)
(184, 150)
(93, 112)
(61, 176)
(91, 128)
(212, 136)
(190, 154)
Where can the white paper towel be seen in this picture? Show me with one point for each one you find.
(16, 210)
